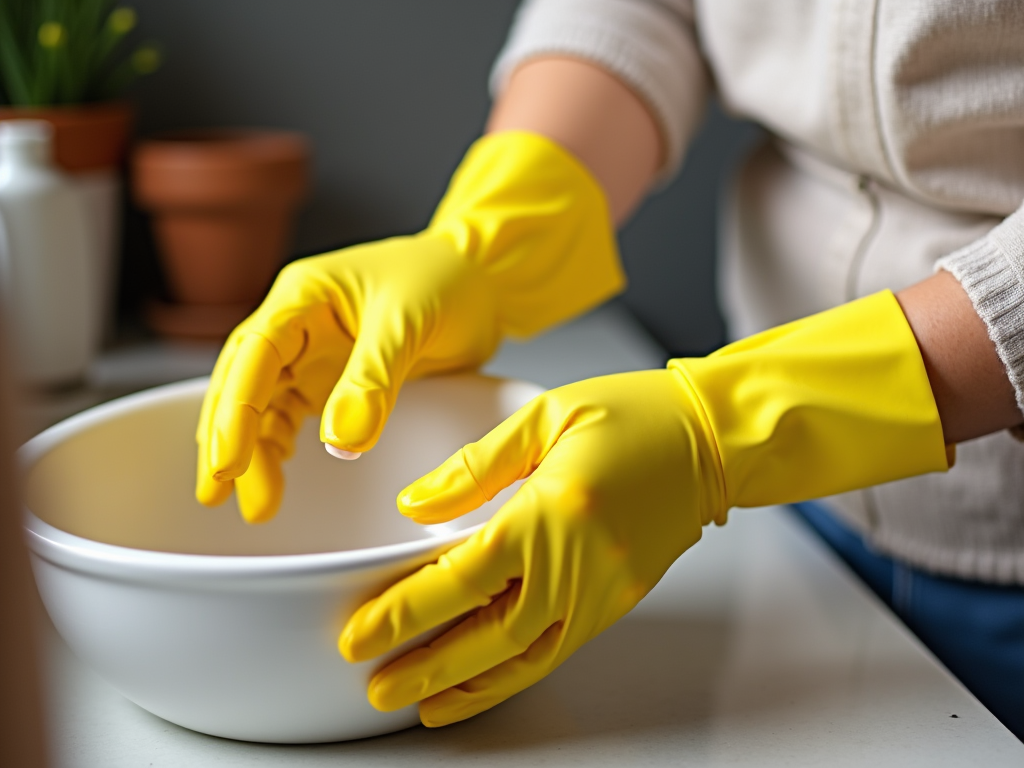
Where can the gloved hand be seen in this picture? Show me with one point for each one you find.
(623, 471)
(522, 240)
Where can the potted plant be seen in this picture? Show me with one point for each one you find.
(68, 62)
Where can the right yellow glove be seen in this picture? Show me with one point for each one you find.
(522, 240)
(623, 471)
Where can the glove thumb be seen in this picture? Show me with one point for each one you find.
(480, 470)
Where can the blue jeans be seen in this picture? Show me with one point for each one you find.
(975, 629)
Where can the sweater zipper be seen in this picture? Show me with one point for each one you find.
(867, 188)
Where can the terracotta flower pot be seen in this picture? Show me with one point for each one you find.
(89, 137)
(222, 204)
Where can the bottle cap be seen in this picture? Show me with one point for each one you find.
(14, 132)
(28, 141)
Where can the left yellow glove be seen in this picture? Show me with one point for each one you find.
(521, 240)
(623, 471)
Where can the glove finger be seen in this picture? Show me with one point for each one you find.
(210, 491)
(484, 640)
(281, 421)
(260, 489)
(244, 395)
(497, 684)
(478, 471)
(361, 402)
(213, 390)
(466, 577)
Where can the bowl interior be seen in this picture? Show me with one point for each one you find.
(124, 475)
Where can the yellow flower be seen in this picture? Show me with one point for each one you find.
(52, 34)
(146, 59)
(122, 20)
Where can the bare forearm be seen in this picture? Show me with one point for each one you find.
(971, 388)
(593, 115)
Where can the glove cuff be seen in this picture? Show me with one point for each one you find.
(534, 218)
(834, 402)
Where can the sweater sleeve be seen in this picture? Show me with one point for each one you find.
(651, 45)
(991, 270)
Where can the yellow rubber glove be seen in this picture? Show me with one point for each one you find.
(623, 471)
(522, 240)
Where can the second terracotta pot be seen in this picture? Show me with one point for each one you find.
(222, 204)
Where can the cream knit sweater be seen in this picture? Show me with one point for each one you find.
(898, 149)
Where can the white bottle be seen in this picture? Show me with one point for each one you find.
(46, 283)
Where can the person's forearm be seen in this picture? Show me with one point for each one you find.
(593, 115)
(972, 391)
(610, 129)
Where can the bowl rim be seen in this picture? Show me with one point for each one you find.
(83, 554)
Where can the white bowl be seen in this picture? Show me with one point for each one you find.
(216, 625)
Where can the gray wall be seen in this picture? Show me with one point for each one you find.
(391, 92)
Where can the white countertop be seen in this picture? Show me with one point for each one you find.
(757, 648)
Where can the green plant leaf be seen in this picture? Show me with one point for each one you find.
(86, 61)
(14, 66)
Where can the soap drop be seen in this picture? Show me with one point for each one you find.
(338, 453)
